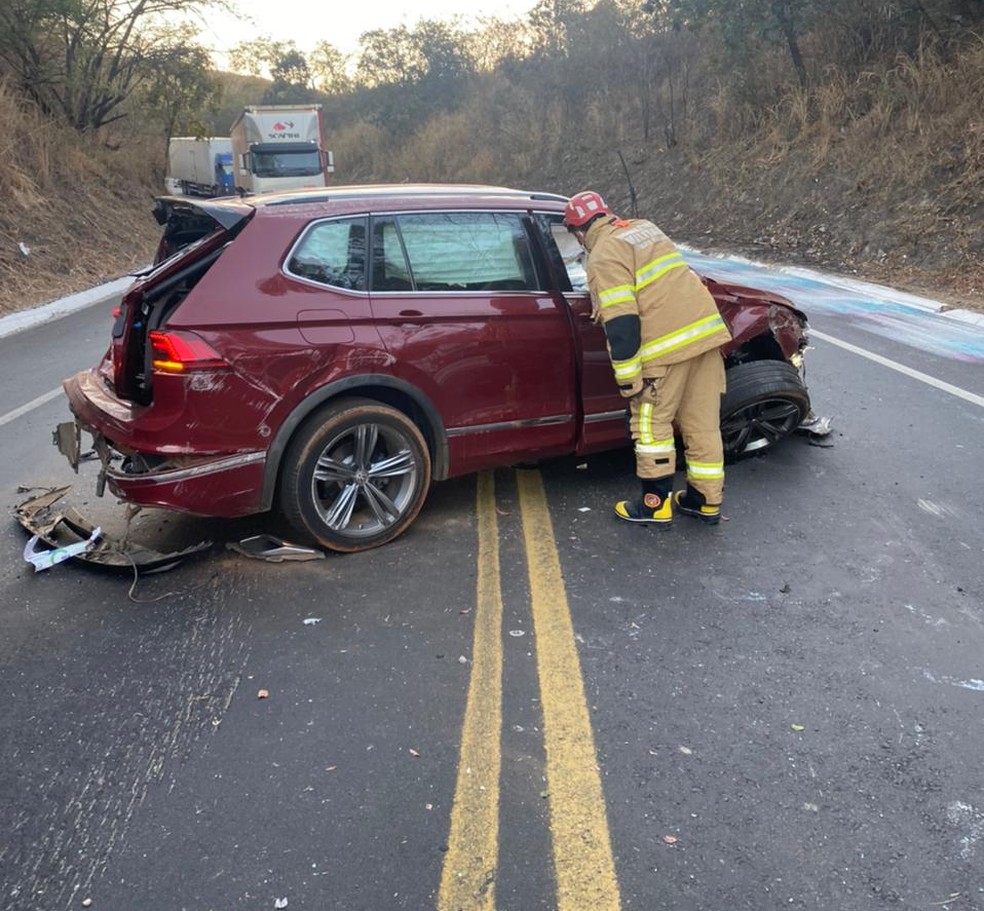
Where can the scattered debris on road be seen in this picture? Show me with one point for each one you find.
(273, 550)
(815, 425)
(818, 429)
(65, 529)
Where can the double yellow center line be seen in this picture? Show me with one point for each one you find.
(582, 855)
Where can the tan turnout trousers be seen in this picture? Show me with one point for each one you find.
(687, 395)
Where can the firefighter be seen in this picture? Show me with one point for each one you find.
(663, 331)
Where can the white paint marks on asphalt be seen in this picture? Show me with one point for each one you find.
(927, 618)
(934, 509)
(972, 684)
(30, 406)
(971, 397)
(970, 820)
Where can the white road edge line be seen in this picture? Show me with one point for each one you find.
(30, 406)
(56, 309)
(971, 397)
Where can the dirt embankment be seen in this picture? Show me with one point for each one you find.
(85, 234)
(838, 217)
(77, 238)
(74, 211)
(85, 216)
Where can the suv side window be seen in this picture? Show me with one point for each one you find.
(564, 250)
(332, 253)
(452, 251)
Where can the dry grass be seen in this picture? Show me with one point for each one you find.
(879, 172)
(79, 208)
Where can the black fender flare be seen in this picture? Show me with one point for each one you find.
(363, 385)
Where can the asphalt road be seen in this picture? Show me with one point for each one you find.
(522, 699)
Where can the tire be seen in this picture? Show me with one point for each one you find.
(765, 401)
(355, 475)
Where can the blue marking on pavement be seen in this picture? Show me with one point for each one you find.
(895, 315)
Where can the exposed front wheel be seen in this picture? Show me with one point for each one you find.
(765, 401)
(355, 476)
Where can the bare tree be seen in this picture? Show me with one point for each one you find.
(773, 21)
(80, 60)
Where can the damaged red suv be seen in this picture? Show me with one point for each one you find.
(330, 353)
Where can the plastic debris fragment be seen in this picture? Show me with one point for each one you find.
(815, 425)
(273, 550)
(45, 559)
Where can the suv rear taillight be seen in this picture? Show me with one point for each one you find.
(181, 352)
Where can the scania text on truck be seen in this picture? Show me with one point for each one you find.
(280, 147)
(200, 167)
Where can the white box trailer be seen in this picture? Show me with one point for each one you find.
(200, 167)
(280, 147)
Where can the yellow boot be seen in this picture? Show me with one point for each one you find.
(654, 507)
(692, 503)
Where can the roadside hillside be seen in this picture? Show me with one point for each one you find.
(83, 224)
(842, 216)
(74, 213)
(74, 235)
(878, 175)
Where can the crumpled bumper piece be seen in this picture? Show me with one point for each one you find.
(816, 426)
(60, 527)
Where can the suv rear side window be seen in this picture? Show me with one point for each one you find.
(452, 251)
(332, 253)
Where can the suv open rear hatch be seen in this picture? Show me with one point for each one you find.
(195, 234)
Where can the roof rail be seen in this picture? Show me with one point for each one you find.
(379, 192)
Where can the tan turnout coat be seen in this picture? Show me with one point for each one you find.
(634, 268)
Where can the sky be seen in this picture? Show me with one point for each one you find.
(340, 23)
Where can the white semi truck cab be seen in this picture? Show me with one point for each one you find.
(280, 147)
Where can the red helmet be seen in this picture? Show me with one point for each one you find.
(582, 207)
